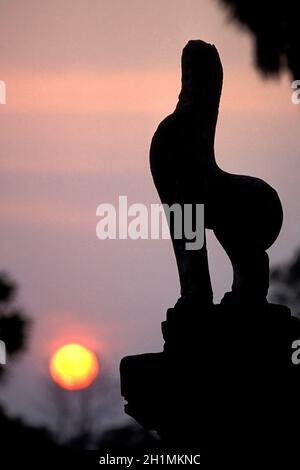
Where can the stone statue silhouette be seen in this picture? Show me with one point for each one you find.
(244, 212)
(225, 376)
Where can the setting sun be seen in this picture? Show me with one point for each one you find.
(74, 367)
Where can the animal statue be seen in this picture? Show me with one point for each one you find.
(244, 212)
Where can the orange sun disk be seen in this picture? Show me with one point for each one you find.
(74, 367)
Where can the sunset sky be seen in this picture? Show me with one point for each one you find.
(87, 82)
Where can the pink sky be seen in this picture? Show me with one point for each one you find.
(87, 83)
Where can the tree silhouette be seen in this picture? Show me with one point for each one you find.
(78, 416)
(13, 332)
(77, 413)
(286, 283)
(275, 30)
(13, 321)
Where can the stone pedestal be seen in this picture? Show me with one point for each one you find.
(225, 378)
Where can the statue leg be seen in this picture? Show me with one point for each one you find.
(193, 270)
(251, 276)
(246, 230)
(250, 272)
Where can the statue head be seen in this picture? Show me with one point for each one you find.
(202, 77)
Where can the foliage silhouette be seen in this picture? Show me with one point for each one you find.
(286, 283)
(275, 30)
(13, 322)
(17, 434)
